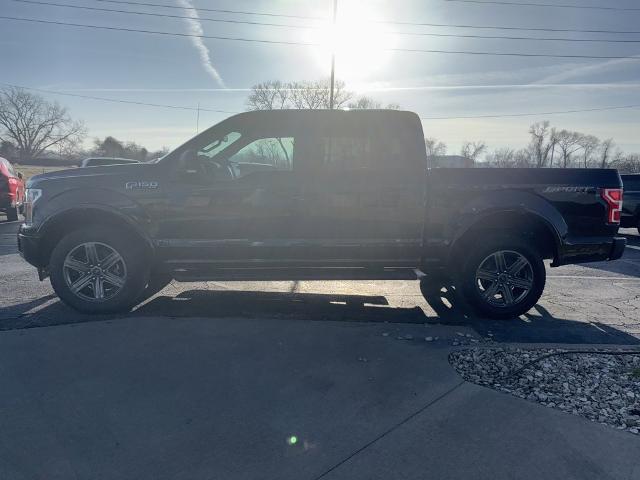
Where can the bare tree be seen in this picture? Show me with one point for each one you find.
(629, 163)
(543, 143)
(606, 146)
(34, 124)
(308, 95)
(502, 158)
(473, 150)
(368, 103)
(589, 144)
(112, 147)
(270, 95)
(569, 143)
(435, 147)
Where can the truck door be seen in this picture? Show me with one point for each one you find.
(364, 190)
(234, 200)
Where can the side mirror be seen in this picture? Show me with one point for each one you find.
(189, 162)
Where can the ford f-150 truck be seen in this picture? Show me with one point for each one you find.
(314, 195)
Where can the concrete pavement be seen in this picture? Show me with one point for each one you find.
(219, 398)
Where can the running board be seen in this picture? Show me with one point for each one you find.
(272, 274)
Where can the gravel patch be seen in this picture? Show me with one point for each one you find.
(603, 387)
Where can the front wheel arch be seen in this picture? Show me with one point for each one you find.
(56, 228)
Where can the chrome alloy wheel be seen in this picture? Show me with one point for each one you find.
(504, 278)
(94, 271)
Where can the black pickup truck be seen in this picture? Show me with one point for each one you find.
(314, 195)
(631, 207)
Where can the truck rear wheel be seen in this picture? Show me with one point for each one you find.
(503, 277)
(97, 270)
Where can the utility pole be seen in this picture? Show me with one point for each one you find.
(333, 55)
(198, 119)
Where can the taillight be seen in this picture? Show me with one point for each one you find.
(613, 198)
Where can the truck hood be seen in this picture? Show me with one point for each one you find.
(90, 175)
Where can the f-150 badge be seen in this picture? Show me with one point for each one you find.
(568, 189)
(141, 184)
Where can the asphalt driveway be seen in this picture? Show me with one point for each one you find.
(239, 398)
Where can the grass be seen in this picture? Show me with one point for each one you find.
(29, 171)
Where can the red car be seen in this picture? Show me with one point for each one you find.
(11, 190)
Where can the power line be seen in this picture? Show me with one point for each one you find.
(164, 15)
(508, 115)
(535, 114)
(114, 100)
(389, 22)
(533, 4)
(218, 10)
(311, 27)
(287, 42)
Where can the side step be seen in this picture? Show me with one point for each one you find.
(309, 273)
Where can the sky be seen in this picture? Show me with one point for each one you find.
(216, 74)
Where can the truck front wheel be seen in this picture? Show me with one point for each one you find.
(503, 277)
(98, 270)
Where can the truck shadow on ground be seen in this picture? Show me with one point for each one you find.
(537, 326)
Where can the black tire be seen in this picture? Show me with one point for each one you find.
(512, 297)
(133, 262)
(12, 214)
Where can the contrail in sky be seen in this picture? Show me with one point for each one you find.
(195, 28)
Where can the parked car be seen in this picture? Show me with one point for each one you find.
(631, 206)
(301, 194)
(105, 161)
(11, 190)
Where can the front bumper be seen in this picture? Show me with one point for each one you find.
(584, 250)
(29, 246)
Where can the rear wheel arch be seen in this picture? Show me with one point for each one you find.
(61, 225)
(526, 225)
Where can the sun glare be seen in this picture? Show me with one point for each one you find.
(361, 46)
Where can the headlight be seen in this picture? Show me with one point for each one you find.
(31, 195)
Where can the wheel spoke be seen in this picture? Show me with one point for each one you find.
(98, 288)
(110, 261)
(524, 283)
(81, 283)
(92, 253)
(76, 265)
(491, 291)
(483, 274)
(517, 266)
(112, 279)
(507, 294)
(500, 261)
